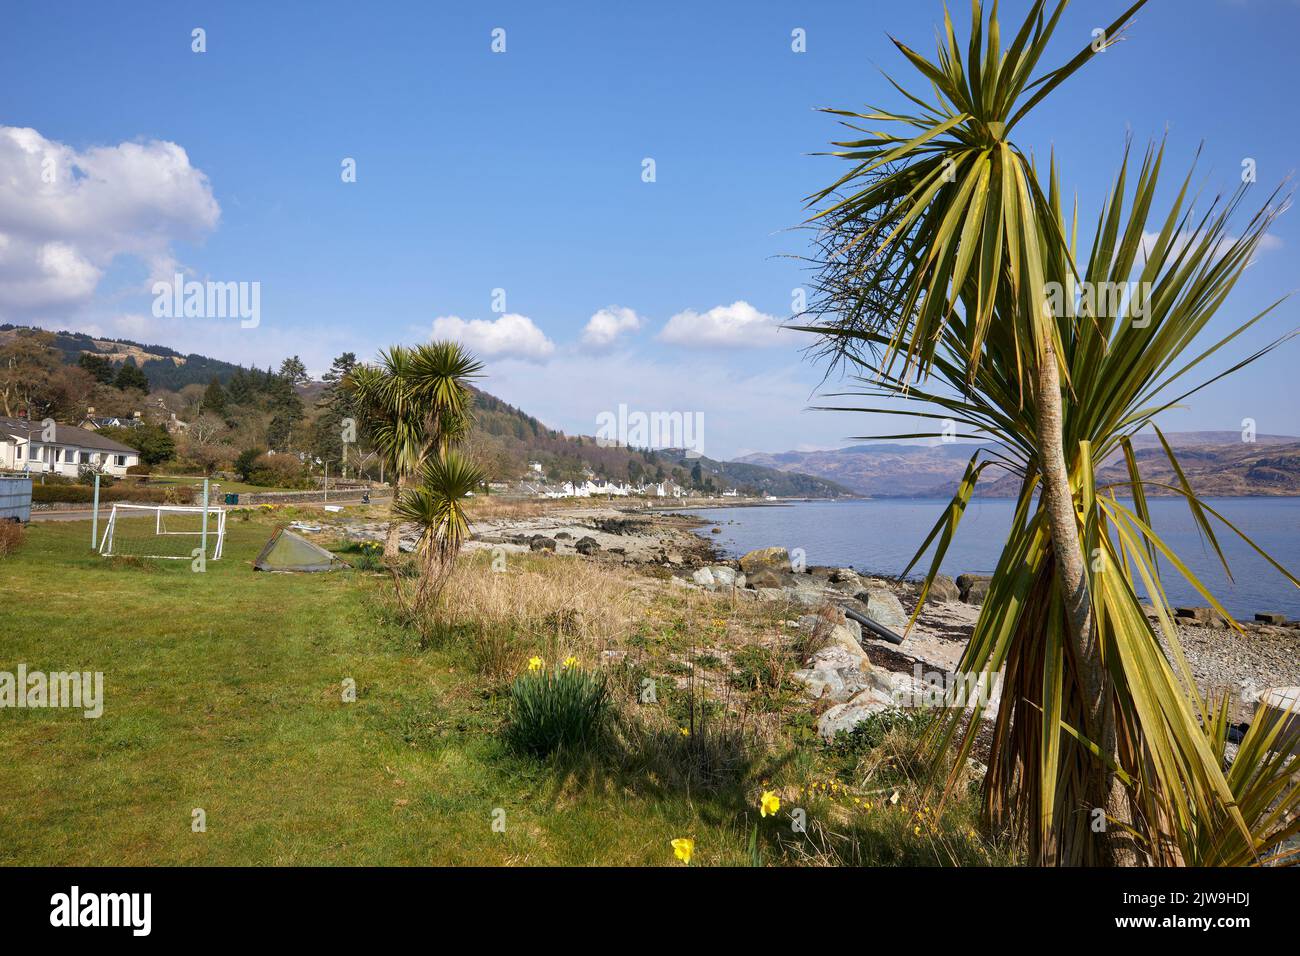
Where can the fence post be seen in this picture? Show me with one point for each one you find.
(204, 540)
(94, 517)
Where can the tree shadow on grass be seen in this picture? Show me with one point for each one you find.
(716, 768)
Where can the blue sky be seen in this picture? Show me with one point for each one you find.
(522, 171)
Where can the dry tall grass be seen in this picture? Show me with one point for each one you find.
(12, 535)
(488, 507)
(552, 610)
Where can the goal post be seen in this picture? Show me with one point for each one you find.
(168, 532)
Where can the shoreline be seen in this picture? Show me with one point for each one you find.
(1220, 658)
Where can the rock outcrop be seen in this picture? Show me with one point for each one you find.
(766, 559)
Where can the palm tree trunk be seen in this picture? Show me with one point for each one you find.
(392, 544)
(1106, 790)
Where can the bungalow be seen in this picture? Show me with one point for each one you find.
(67, 451)
(91, 423)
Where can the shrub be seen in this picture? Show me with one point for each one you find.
(12, 535)
(47, 494)
(246, 462)
(126, 491)
(558, 709)
(870, 732)
(278, 471)
(365, 555)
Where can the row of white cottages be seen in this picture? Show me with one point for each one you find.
(599, 488)
(60, 449)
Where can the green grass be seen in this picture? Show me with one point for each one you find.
(223, 691)
(226, 487)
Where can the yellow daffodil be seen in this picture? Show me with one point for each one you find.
(685, 731)
(570, 662)
(769, 804)
(683, 849)
(536, 663)
(916, 830)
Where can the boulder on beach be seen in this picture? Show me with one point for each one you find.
(1206, 616)
(766, 559)
(764, 578)
(539, 542)
(834, 673)
(844, 717)
(845, 576)
(943, 590)
(586, 545)
(883, 606)
(719, 576)
(973, 588)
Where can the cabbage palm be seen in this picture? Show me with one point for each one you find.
(414, 402)
(436, 505)
(938, 255)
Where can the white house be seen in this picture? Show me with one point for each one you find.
(64, 450)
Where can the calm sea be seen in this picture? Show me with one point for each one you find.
(880, 537)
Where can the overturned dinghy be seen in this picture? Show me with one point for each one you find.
(287, 551)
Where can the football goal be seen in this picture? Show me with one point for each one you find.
(171, 532)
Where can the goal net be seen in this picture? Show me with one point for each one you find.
(163, 531)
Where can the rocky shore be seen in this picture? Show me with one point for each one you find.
(861, 670)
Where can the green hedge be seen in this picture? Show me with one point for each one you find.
(78, 494)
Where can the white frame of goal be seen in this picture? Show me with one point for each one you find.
(106, 543)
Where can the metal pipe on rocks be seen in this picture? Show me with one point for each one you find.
(879, 630)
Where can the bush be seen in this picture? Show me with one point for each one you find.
(365, 555)
(12, 536)
(278, 471)
(153, 442)
(51, 493)
(557, 710)
(246, 462)
(871, 732)
(48, 494)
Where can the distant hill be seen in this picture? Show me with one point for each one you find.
(506, 438)
(1217, 463)
(510, 439)
(162, 366)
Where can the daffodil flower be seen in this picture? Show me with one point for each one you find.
(535, 663)
(570, 662)
(769, 804)
(683, 849)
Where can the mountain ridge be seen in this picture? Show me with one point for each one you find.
(1217, 463)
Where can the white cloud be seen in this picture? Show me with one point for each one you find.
(510, 336)
(738, 325)
(604, 327)
(65, 215)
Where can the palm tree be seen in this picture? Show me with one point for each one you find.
(939, 254)
(436, 505)
(414, 402)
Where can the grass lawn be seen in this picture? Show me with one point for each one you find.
(224, 487)
(223, 691)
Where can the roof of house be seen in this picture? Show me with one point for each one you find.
(63, 435)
